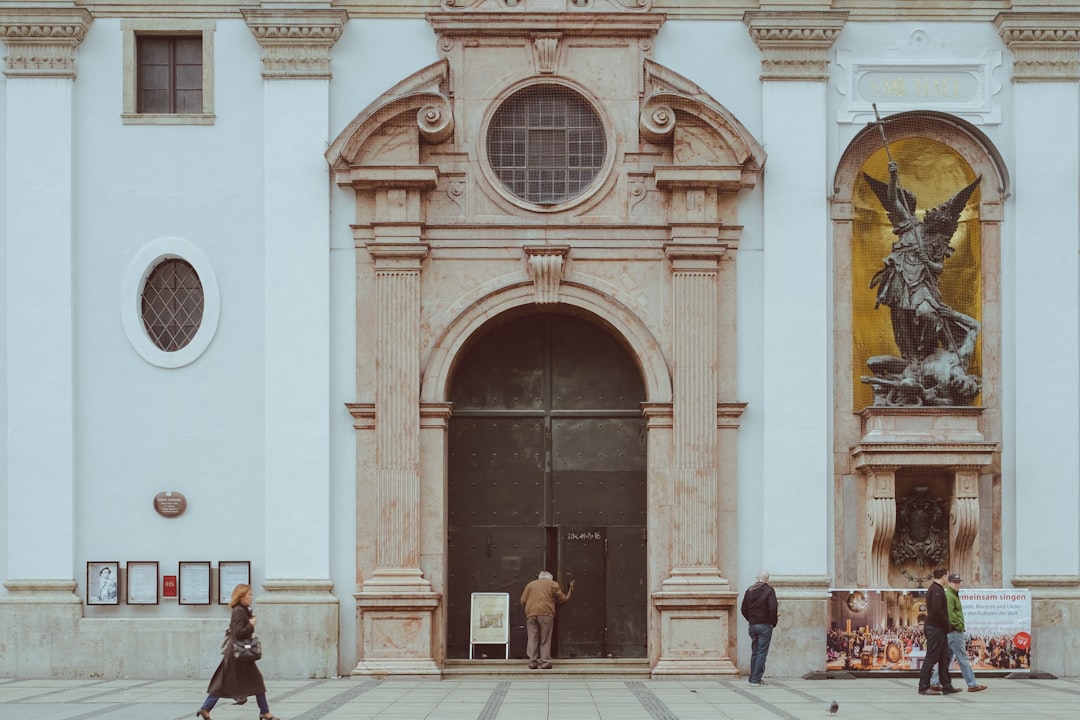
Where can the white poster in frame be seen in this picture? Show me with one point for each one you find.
(102, 583)
(194, 583)
(142, 582)
(230, 574)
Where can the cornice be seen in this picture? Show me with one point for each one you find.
(296, 42)
(1045, 45)
(41, 41)
(794, 45)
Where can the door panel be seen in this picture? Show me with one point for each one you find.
(581, 623)
(547, 469)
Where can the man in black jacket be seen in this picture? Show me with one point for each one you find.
(936, 629)
(759, 609)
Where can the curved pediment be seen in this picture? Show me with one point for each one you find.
(671, 101)
(392, 125)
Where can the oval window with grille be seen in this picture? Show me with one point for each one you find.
(172, 304)
(546, 144)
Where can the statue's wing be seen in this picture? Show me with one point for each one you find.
(881, 189)
(955, 205)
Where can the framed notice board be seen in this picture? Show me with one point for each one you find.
(489, 621)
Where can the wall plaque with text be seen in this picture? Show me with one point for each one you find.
(170, 503)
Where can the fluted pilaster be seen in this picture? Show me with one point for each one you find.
(397, 402)
(694, 343)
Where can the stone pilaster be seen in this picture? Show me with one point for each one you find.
(695, 603)
(397, 605)
(40, 608)
(1045, 49)
(795, 49)
(298, 603)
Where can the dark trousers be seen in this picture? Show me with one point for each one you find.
(937, 653)
(539, 627)
(760, 638)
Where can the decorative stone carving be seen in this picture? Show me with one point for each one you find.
(546, 268)
(296, 42)
(546, 50)
(794, 45)
(41, 41)
(1045, 45)
(922, 536)
(548, 5)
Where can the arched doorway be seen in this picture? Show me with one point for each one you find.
(547, 470)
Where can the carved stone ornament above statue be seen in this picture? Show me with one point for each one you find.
(936, 342)
(170, 503)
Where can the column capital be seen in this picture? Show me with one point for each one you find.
(296, 41)
(1045, 45)
(794, 44)
(41, 41)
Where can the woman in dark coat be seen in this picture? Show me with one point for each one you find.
(234, 678)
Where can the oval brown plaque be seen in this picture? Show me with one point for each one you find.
(170, 503)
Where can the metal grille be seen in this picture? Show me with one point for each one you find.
(172, 304)
(546, 144)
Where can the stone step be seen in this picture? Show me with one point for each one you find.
(568, 669)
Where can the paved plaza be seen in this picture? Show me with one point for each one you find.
(540, 699)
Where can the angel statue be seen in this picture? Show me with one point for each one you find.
(936, 342)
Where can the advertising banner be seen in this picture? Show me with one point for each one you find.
(881, 630)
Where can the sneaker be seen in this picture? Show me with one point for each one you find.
(760, 683)
(950, 690)
(976, 688)
(929, 691)
(533, 666)
(936, 687)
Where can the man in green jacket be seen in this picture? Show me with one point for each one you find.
(957, 637)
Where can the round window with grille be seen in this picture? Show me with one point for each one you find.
(172, 304)
(546, 145)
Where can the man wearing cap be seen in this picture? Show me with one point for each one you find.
(936, 628)
(957, 637)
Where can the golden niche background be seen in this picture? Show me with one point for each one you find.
(934, 172)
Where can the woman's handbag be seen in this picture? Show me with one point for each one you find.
(247, 650)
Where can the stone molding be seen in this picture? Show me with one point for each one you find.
(41, 41)
(1045, 45)
(296, 42)
(794, 45)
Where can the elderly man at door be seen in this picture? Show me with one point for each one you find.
(539, 599)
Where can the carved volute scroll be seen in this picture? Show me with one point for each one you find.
(546, 268)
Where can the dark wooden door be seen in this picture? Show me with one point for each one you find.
(547, 471)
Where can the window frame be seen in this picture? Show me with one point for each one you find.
(139, 269)
(132, 30)
(603, 173)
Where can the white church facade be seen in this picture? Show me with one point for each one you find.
(380, 305)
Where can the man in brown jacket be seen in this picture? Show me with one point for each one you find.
(540, 598)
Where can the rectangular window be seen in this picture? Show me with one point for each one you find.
(168, 71)
(170, 74)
